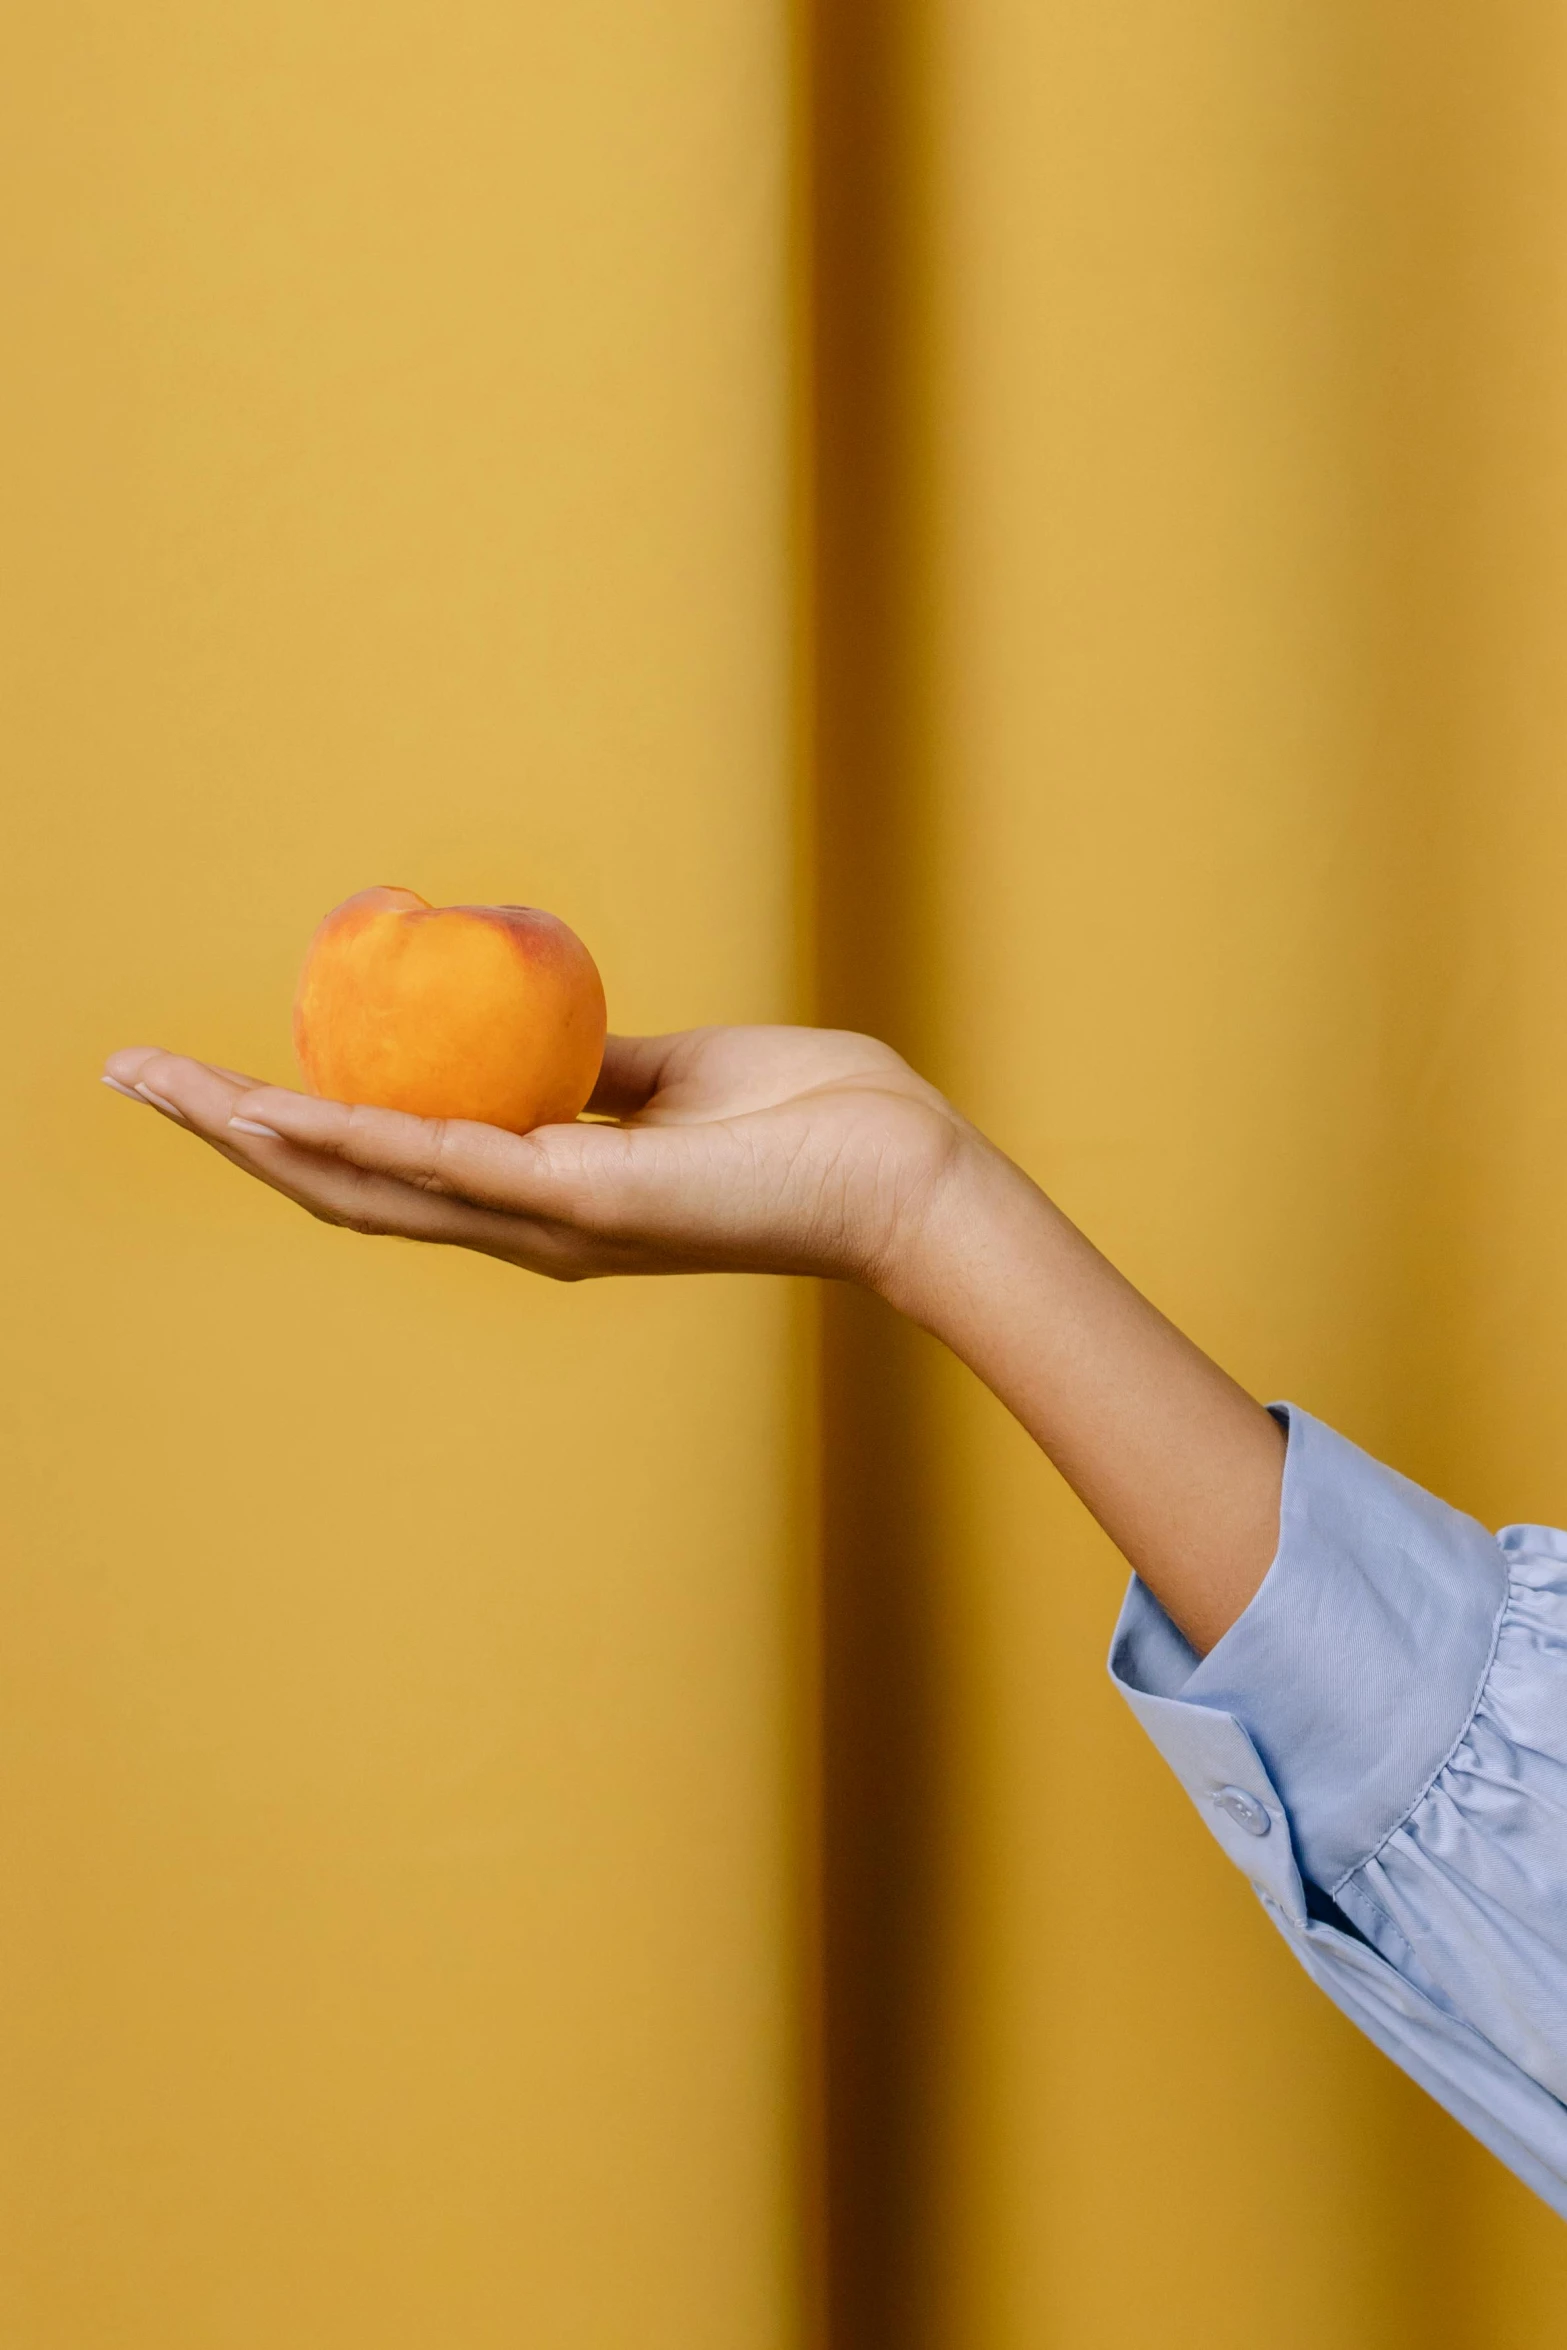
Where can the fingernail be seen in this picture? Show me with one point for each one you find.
(129, 1091)
(158, 1103)
(254, 1126)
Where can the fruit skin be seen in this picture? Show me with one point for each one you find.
(488, 1012)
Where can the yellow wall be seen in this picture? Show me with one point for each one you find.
(403, 1768)
(1196, 511)
(398, 1891)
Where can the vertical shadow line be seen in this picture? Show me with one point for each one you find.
(877, 1838)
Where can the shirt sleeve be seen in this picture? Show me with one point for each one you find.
(1387, 1725)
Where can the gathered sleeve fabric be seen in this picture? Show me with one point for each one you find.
(1380, 1743)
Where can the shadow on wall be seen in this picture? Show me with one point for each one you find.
(881, 1861)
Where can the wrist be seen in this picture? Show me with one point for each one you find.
(934, 1251)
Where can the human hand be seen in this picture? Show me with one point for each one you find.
(803, 1150)
(778, 1150)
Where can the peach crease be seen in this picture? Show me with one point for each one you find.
(488, 1013)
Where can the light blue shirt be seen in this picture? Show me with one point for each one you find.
(1386, 1725)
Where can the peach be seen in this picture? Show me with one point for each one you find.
(487, 1012)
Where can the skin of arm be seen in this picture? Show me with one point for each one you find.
(801, 1150)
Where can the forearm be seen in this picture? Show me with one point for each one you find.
(1181, 1467)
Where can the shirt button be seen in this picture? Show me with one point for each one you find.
(1244, 1810)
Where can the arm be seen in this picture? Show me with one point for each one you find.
(1393, 1691)
(1181, 1467)
(809, 1151)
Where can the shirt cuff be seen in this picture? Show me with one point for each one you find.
(1349, 1678)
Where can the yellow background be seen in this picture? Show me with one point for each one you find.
(408, 1755)
(1194, 592)
(398, 1912)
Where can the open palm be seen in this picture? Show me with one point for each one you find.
(787, 1150)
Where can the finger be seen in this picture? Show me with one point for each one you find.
(126, 1065)
(520, 1174)
(355, 1200)
(124, 1069)
(270, 1132)
(200, 1096)
(336, 1191)
(367, 1201)
(145, 1088)
(630, 1075)
(632, 1071)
